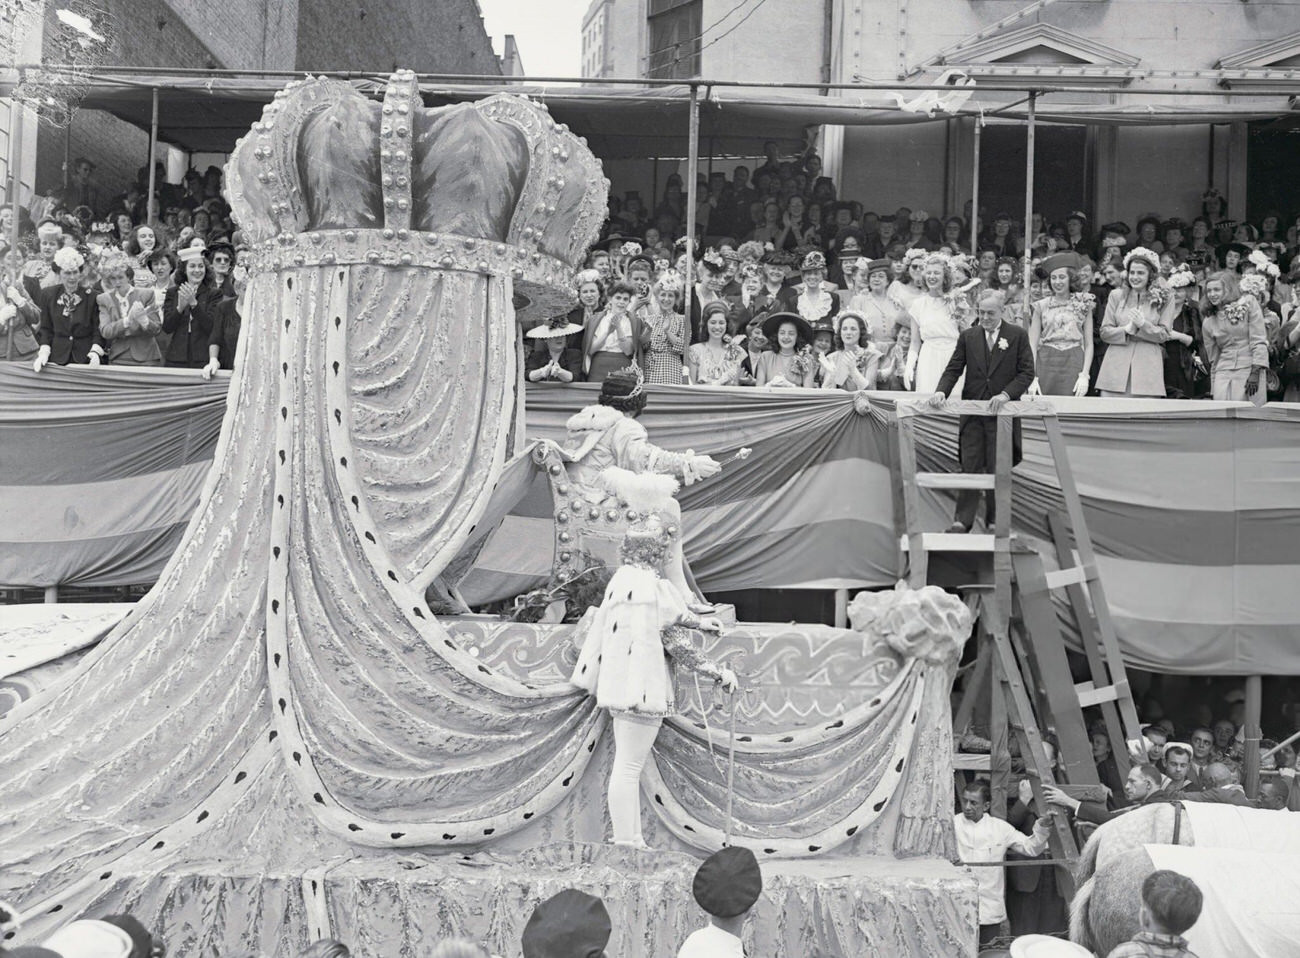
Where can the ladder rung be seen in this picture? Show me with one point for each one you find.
(1090, 695)
(972, 762)
(1075, 575)
(952, 542)
(956, 480)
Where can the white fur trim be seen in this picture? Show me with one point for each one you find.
(593, 419)
(642, 491)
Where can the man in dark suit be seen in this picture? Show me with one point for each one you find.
(999, 366)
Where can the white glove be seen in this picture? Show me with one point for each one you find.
(1034, 389)
(728, 680)
(42, 357)
(1025, 791)
(210, 369)
(711, 624)
(1081, 384)
(7, 312)
(704, 466)
(92, 359)
(14, 296)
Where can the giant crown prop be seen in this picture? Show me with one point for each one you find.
(494, 187)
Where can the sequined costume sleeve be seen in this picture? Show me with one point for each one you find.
(682, 648)
(633, 448)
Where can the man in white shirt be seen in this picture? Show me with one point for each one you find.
(983, 838)
(726, 886)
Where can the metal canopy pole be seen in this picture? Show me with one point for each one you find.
(153, 147)
(1254, 706)
(975, 191)
(692, 166)
(16, 123)
(1029, 194)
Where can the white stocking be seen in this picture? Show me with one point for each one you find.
(632, 744)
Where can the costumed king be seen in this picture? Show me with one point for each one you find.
(607, 434)
(635, 637)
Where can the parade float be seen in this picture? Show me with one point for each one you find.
(283, 741)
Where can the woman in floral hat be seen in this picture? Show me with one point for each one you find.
(814, 299)
(937, 319)
(1235, 340)
(663, 330)
(790, 363)
(1139, 317)
(1185, 368)
(910, 284)
(1060, 329)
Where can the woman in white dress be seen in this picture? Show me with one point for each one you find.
(937, 319)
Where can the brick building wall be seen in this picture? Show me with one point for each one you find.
(442, 37)
(149, 34)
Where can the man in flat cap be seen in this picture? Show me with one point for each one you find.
(726, 886)
(569, 924)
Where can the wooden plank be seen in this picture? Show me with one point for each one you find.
(1075, 575)
(1043, 631)
(951, 542)
(1031, 408)
(1035, 756)
(971, 762)
(955, 480)
(1090, 696)
(918, 572)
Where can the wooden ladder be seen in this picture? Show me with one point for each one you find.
(1022, 649)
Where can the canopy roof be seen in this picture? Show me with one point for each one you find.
(202, 112)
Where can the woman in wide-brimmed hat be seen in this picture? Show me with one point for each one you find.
(1138, 320)
(558, 361)
(790, 363)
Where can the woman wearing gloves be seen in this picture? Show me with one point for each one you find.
(636, 636)
(129, 318)
(558, 362)
(1235, 339)
(69, 317)
(938, 318)
(1060, 329)
(1139, 316)
(226, 323)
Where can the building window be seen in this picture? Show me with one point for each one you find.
(674, 38)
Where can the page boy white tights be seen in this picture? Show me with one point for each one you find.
(632, 743)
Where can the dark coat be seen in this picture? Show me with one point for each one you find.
(1010, 371)
(570, 361)
(226, 324)
(739, 316)
(191, 328)
(70, 333)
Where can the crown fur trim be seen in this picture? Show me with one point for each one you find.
(642, 491)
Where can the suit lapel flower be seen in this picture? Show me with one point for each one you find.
(1002, 343)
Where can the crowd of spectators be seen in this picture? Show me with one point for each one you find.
(1202, 307)
(1198, 758)
(101, 281)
